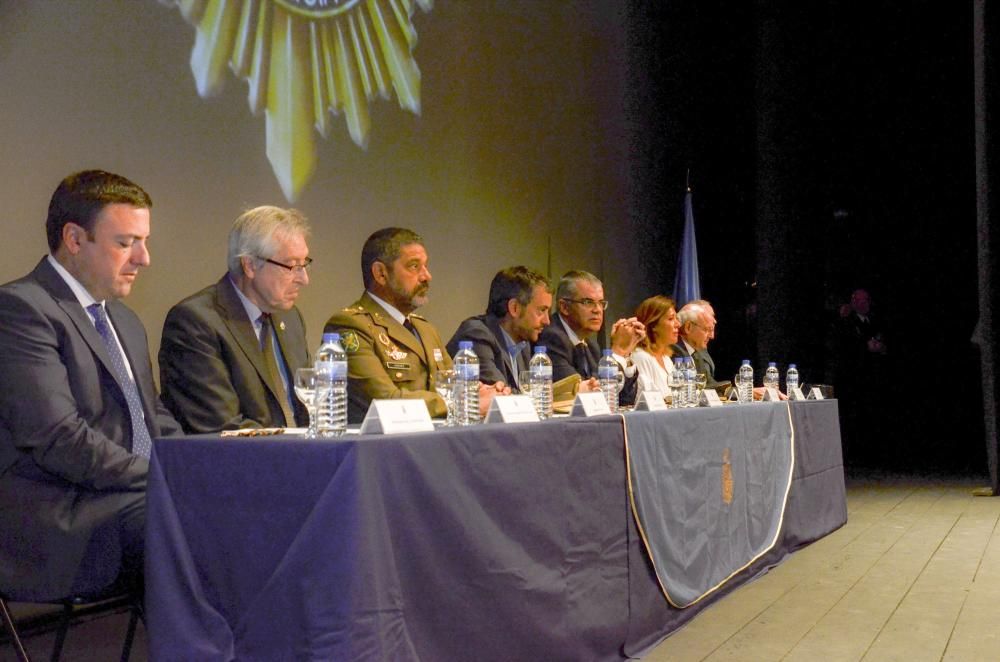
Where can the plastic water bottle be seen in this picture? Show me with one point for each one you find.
(746, 381)
(690, 389)
(791, 379)
(467, 386)
(677, 389)
(541, 382)
(772, 379)
(331, 387)
(607, 375)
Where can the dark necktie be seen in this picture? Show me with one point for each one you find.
(581, 359)
(267, 347)
(412, 329)
(141, 442)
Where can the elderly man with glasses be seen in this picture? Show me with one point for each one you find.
(229, 352)
(570, 342)
(697, 320)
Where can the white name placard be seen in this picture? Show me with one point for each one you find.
(796, 394)
(815, 393)
(395, 416)
(651, 401)
(590, 404)
(771, 394)
(512, 409)
(710, 398)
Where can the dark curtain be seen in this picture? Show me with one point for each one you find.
(987, 60)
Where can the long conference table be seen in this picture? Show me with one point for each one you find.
(499, 542)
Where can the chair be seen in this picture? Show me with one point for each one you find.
(73, 609)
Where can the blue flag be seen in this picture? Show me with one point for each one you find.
(687, 285)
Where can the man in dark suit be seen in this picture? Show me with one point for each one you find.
(229, 352)
(78, 407)
(518, 310)
(860, 374)
(697, 320)
(391, 351)
(569, 339)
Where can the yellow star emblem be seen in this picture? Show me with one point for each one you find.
(304, 60)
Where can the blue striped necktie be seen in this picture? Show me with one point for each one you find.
(141, 442)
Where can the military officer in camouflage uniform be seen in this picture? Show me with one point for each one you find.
(391, 352)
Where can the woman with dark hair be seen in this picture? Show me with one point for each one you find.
(653, 358)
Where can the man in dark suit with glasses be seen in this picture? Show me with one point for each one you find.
(229, 352)
(569, 339)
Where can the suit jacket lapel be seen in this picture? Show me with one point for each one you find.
(709, 361)
(234, 315)
(510, 373)
(57, 288)
(283, 340)
(426, 354)
(284, 345)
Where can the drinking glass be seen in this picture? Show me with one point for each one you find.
(305, 391)
(445, 382)
(524, 381)
(700, 382)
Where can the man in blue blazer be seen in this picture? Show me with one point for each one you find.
(519, 303)
(78, 406)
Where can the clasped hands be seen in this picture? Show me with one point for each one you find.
(626, 334)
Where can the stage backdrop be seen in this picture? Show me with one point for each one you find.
(498, 130)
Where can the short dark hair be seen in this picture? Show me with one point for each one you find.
(514, 283)
(80, 197)
(385, 246)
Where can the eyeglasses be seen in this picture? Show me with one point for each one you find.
(297, 269)
(589, 303)
(708, 329)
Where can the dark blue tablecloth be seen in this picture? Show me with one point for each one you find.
(503, 542)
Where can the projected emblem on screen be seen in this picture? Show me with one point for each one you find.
(305, 62)
(317, 8)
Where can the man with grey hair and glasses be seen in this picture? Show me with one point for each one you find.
(697, 320)
(570, 342)
(229, 352)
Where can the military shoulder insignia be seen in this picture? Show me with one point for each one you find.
(349, 340)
